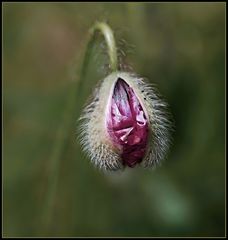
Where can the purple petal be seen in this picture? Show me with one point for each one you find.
(127, 124)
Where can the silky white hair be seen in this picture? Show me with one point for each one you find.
(93, 133)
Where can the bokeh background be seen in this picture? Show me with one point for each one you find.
(49, 187)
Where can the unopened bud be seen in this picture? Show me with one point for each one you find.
(125, 124)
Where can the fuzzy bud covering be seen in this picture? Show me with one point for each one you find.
(125, 124)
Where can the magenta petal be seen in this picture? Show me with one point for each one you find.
(127, 123)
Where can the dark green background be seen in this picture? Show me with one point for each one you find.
(178, 46)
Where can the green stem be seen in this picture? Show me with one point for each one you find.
(63, 133)
(107, 33)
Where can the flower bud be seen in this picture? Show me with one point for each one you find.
(125, 124)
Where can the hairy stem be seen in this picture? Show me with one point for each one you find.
(107, 33)
(64, 131)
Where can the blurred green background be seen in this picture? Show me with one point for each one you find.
(178, 46)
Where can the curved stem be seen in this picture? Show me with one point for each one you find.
(110, 41)
(64, 130)
(108, 35)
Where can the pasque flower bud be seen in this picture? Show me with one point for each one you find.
(125, 124)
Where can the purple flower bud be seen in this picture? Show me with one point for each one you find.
(125, 124)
